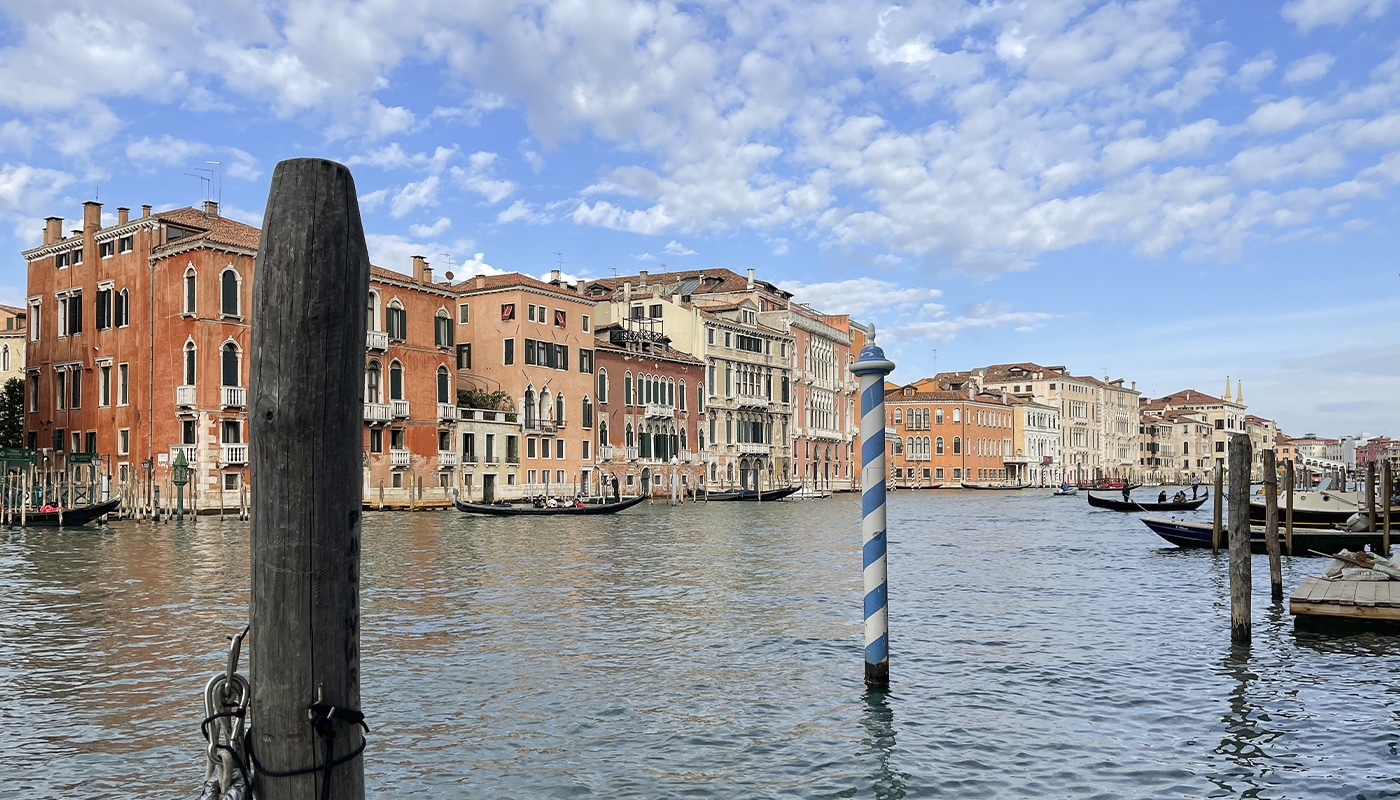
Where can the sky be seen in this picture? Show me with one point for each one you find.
(1165, 191)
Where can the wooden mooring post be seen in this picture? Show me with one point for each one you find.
(1371, 497)
(1386, 491)
(1241, 577)
(1288, 514)
(1217, 504)
(305, 417)
(1271, 544)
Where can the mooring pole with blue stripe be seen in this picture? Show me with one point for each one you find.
(871, 368)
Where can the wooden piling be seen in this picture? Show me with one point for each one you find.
(1271, 544)
(1241, 578)
(305, 419)
(1386, 491)
(1217, 505)
(1288, 515)
(1371, 497)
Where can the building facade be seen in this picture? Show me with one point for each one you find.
(942, 437)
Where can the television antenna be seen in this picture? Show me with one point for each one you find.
(218, 181)
(203, 182)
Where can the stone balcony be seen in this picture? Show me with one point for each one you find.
(233, 396)
(377, 412)
(185, 396)
(233, 453)
(376, 340)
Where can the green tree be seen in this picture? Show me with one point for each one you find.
(489, 401)
(12, 413)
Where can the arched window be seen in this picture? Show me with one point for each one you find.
(372, 382)
(395, 380)
(938, 446)
(228, 363)
(957, 445)
(529, 408)
(682, 397)
(5, 359)
(898, 416)
(396, 321)
(542, 413)
(442, 329)
(444, 388)
(957, 415)
(123, 310)
(602, 386)
(627, 390)
(938, 416)
(189, 362)
(559, 409)
(671, 394)
(586, 418)
(230, 284)
(189, 290)
(909, 447)
(631, 438)
(683, 444)
(898, 447)
(372, 313)
(910, 419)
(603, 433)
(923, 446)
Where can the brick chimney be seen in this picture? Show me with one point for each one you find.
(92, 216)
(211, 208)
(481, 281)
(642, 275)
(420, 268)
(750, 277)
(145, 211)
(53, 229)
(123, 214)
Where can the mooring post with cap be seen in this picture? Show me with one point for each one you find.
(305, 418)
(871, 368)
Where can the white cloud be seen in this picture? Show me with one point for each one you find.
(859, 296)
(414, 195)
(675, 248)
(477, 177)
(1309, 14)
(428, 231)
(1309, 69)
(1256, 69)
(521, 211)
(373, 200)
(1278, 116)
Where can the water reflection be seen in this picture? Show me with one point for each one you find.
(1249, 730)
(878, 721)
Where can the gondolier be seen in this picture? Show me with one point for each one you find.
(1195, 484)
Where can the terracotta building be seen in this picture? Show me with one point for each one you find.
(948, 436)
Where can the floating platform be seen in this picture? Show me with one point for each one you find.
(1377, 601)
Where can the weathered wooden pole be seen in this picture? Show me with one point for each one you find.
(1241, 578)
(1386, 491)
(1271, 526)
(871, 368)
(1371, 496)
(1217, 505)
(305, 420)
(1288, 517)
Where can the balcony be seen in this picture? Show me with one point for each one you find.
(447, 459)
(376, 340)
(752, 401)
(753, 448)
(631, 453)
(824, 433)
(398, 458)
(187, 449)
(539, 426)
(400, 408)
(233, 396)
(184, 396)
(447, 412)
(605, 452)
(654, 411)
(377, 412)
(233, 453)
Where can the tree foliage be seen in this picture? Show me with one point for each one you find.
(489, 401)
(12, 413)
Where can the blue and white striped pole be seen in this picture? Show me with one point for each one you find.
(871, 368)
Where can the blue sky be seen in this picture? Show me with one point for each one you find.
(1165, 191)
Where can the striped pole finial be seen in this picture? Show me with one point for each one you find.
(871, 368)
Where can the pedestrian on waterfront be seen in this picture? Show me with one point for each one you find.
(1195, 484)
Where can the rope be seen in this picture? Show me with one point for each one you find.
(322, 717)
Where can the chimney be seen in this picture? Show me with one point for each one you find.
(1134, 384)
(53, 229)
(643, 276)
(92, 215)
(420, 264)
(481, 281)
(554, 276)
(123, 214)
(76, 232)
(211, 208)
(750, 277)
(145, 210)
(627, 293)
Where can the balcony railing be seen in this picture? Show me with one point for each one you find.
(752, 401)
(447, 412)
(233, 396)
(377, 412)
(447, 459)
(824, 433)
(753, 448)
(605, 452)
(233, 453)
(376, 340)
(539, 426)
(187, 449)
(631, 454)
(184, 396)
(398, 458)
(654, 411)
(400, 408)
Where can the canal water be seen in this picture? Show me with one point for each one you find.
(1041, 649)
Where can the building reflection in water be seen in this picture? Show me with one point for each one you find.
(878, 720)
(1249, 731)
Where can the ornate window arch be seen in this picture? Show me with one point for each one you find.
(230, 366)
(191, 357)
(395, 380)
(938, 446)
(586, 412)
(559, 409)
(444, 385)
(530, 408)
(374, 376)
(191, 289)
(627, 389)
(230, 292)
(602, 386)
(372, 312)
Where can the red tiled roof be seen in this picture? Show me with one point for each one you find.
(217, 229)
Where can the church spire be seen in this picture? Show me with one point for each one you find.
(1227, 388)
(1239, 391)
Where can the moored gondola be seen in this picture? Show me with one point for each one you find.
(1133, 505)
(525, 510)
(768, 495)
(1192, 534)
(68, 517)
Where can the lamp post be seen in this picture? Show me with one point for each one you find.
(180, 476)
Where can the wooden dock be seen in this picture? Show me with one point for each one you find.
(1358, 600)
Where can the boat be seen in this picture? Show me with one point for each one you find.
(997, 487)
(68, 517)
(1133, 505)
(810, 493)
(1320, 509)
(1193, 534)
(767, 495)
(1068, 491)
(528, 510)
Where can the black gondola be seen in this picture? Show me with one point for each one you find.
(1133, 505)
(749, 494)
(525, 510)
(997, 487)
(68, 517)
(1188, 533)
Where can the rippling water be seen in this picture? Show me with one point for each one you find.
(1040, 649)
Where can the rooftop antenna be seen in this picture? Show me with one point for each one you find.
(219, 184)
(559, 261)
(447, 273)
(203, 182)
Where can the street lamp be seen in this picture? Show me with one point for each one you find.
(180, 476)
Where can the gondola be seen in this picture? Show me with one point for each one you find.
(68, 517)
(768, 495)
(1067, 492)
(997, 487)
(1186, 533)
(1133, 505)
(526, 510)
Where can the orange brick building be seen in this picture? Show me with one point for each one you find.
(947, 437)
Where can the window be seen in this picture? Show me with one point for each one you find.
(560, 318)
(1220, 424)
(1219, 447)
(464, 313)
(507, 312)
(123, 384)
(75, 383)
(373, 376)
(231, 431)
(957, 417)
(627, 389)
(123, 441)
(61, 261)
(395, 381)
(376, 440)
(228, 365)
(58, 439)
(396, 322)
(464, 356)
(396, 439)
(682, 395)
(189, 290)
(957, 445)
(602, 386)
(444, 387)
(586, 324)
(559, 453)
(70, 313)
(531, 448)
(508, 352)
(559, 409)
(938, 446)
(122, 311)
(60, 388)
(189, 373)
(34, 307)
(442, 329)
(124, 244)
(709, 335)
(102, 314)
(530, 312)
(104, 394)
(586, 418)
(106, 249)
(584, 455)
(639, 312)
(899, 416)
(229, 298)
(654, 311)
